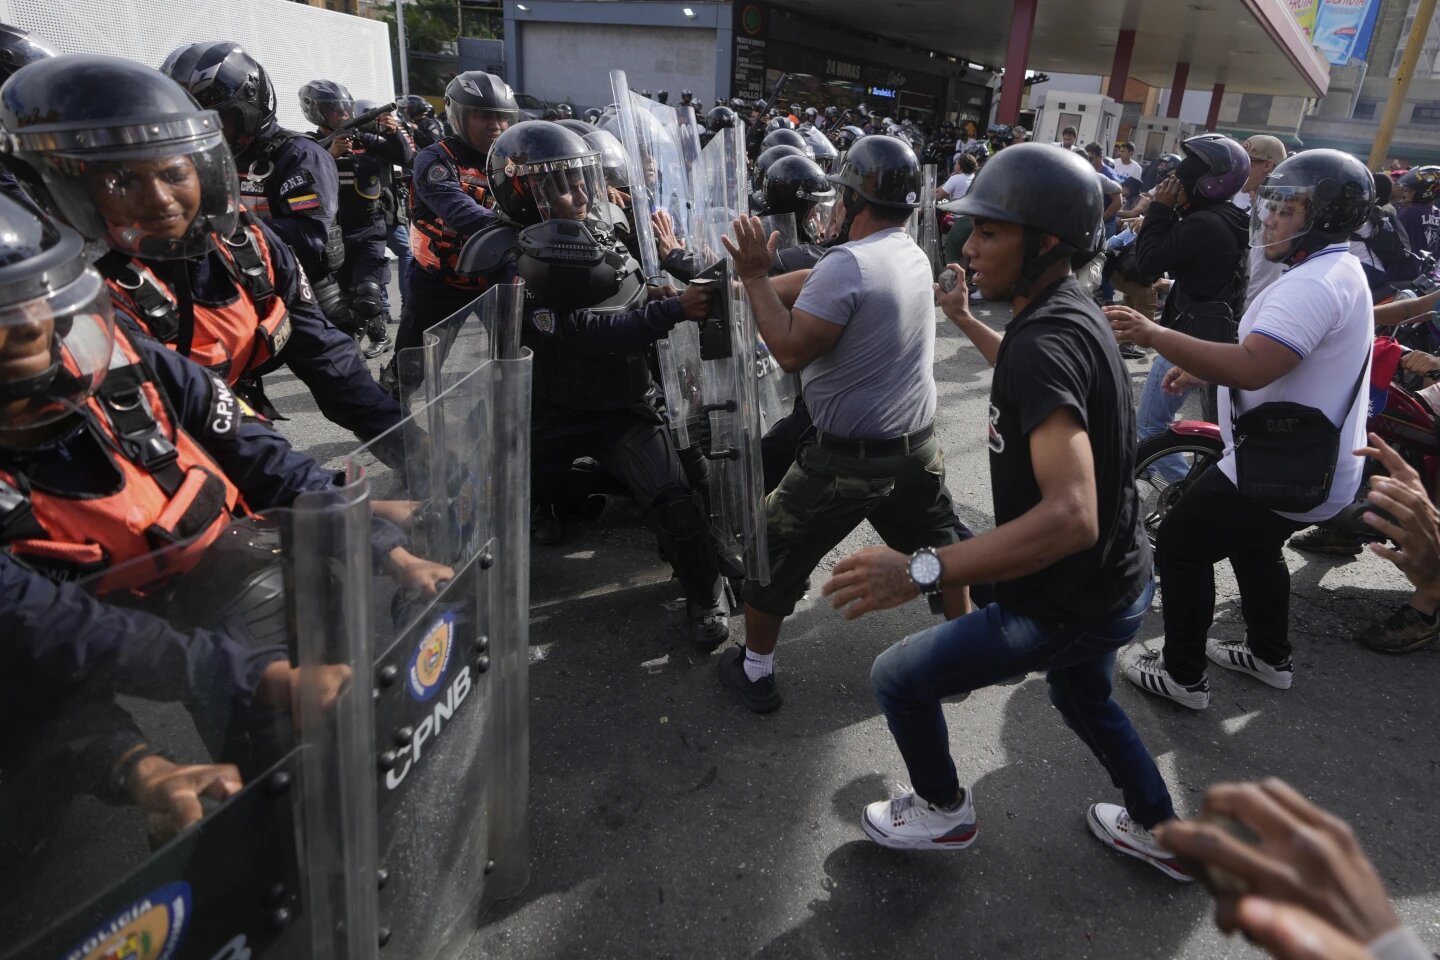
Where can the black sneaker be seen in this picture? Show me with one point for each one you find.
(1337, 543)
(1404, 630)
(761, 696)
(709, 626)
(1131, 352)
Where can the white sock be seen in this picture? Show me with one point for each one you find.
(758, 665)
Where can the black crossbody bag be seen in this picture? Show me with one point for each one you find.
(1286, 453)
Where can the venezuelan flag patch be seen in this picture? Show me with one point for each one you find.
(306, 201)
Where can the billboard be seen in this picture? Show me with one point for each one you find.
(1339, 29)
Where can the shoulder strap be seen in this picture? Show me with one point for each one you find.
(124, 404)
(1354, 392)
(246, 262)
(157, 311)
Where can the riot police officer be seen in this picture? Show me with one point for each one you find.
(189, 265)
(363, 161)
(287, 178)
(449, 202)
(111, 446)
(18, 48)
(394, 198)
(589, 318)
(421, 114)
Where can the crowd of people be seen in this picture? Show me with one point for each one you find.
(165, 243)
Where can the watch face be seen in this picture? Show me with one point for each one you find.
(925, 569)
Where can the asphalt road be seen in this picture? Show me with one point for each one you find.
(667, 821)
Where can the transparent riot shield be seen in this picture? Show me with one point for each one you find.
(777, 389)
(731, 359)
(487, 328)
(925, 226)
(183, 788)
(451, 659)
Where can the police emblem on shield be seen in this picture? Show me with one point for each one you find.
(149, 929)
(544, 320)
(431, 658)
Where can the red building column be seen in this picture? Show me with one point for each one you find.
(1012, 85)
(1120, 68)
(1216, 95)
(1177, 89)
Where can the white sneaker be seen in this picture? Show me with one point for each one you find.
(1147, 673)
(1113, 827)
(1235, 655)
(908, 822)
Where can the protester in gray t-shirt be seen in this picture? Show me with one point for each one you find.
(878, 380)
(862, 335)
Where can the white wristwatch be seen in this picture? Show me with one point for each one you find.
(925, 570)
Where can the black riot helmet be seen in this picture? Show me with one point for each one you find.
(766, 158)
(541, 171)
(580, 128)
(1046, 191)
(222, 77)
(663, 96)
(592, 115)
(720, 118)
(565, 111)
(56, 327)
(415, 107)
(1311, 200)
(1160, 168)
(477, 92)
(326, 103)
(785, 136)
(686, 97)
(825, 153)
(797, 185)
(122, 153)
(612, 157)
(365, 106)
(20, 48)
(779, 123)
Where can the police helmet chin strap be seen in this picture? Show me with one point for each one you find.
(1035, 263)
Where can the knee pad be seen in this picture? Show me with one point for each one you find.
(678, 516)
(334, 304)
(367, 301)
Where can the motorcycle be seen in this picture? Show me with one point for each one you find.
(1405, 421)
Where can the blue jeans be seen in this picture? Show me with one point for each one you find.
(1157, 410)
(994, 644)
(398, 240)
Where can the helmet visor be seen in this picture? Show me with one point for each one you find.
(572, 189)
(54, 352)
(329, 113)
(1279, 217)
(161, 200)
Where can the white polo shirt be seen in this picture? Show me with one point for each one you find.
(1321, 310)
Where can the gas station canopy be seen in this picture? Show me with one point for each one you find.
(1251, 46)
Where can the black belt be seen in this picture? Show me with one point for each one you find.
(893, 447)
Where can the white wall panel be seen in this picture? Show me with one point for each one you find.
(561, 61)
(293, 41)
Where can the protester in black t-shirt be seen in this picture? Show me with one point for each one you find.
(1069, 556)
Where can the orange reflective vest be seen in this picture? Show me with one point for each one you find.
(172, 494)
(229, 340)
(435, 246)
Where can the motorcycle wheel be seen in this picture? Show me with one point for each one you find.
(1158, 495)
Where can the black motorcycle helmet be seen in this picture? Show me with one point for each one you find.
(881, 170)
(1215, 168)
(55, 319)
(797, 185)
(122, 153)
(19, 48)
(720, 118)
(1160, 168)
(785, 136)
(222, 77)
(476, 91)
(326, 104)
(1330, 190)
(766, 158)
(1046, 191)
(415, 107)
(1422, 182)
(541, 171)
(592, 115)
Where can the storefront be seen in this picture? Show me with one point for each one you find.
(818, 65)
